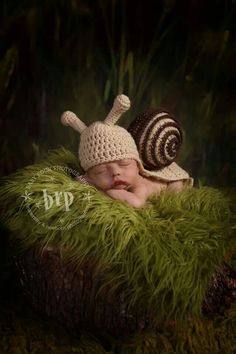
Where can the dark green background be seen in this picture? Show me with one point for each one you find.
(78, 55)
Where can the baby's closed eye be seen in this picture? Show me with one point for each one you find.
(99, 170)
(124, 162)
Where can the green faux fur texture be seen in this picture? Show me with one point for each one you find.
(161, 256)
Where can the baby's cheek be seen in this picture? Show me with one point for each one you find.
(104, 182)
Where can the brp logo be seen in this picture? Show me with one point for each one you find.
(50, 207)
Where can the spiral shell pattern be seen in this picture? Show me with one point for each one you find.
(158, 136)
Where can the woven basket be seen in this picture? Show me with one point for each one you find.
(76, 296)
(72, 295)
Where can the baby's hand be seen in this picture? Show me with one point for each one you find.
(129, 197)
(119, 194)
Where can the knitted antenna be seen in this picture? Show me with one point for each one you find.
(120, 105)
(70, 119)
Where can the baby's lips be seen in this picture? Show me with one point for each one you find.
(121, 184)
(117, 183)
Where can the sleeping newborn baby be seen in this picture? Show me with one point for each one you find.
(121, 180)
(110, 158)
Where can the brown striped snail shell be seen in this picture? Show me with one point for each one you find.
(158, 136)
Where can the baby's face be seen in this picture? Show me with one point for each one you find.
(120, 174)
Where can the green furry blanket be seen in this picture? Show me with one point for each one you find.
(161, 256)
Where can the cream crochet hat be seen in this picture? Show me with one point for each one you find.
(103, 141)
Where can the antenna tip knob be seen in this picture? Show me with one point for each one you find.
(122, 102)
(67, 117)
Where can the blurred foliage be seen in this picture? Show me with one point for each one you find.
(79, 54)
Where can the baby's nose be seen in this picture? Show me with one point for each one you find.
(115, 171)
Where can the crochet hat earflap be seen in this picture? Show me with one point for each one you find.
(103, 141)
